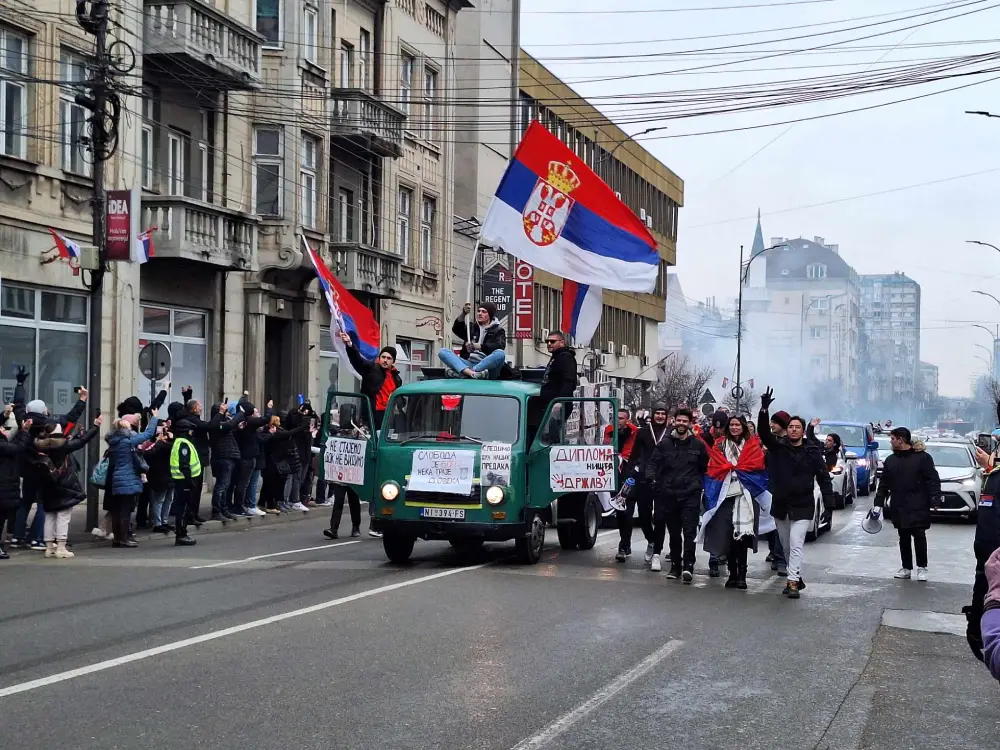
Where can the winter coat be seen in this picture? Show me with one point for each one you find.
(303, 439)
(157, 455)
(626, 439)
(66, 421)
(990, 625)
(65, 490)
(911, 485)
(372, 374)
(792, 471)
(559, 379)
(495, 337)
(220, 434)
(678, 465)
(246, 435)
(12, 449)
(282, 456)
(125, 480)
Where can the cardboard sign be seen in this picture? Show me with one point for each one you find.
(578, 468)
(494, 464)
(445, 471)
(344, 460)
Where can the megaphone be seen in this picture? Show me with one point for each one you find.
(872, 523)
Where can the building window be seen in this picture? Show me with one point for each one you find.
(816, 271)
(269, 21)
(308, 181)
(428, 210)
(346, 65)
(309, 33)
(73, 117)
(413, 355)
(147, 149)
(364, 59)
(822, 303)
(817, 332)
(204, 160)
(185, 334)
(345, 215)
(430, 98)
(267, 171)
(46, 333)
(175, 164)
(13, 93)
(404, 205)
(406, 65)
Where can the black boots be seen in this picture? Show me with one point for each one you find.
(183, 540)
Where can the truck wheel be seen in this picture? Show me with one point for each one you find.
(529, 546)
(398, 547)
(588, 523)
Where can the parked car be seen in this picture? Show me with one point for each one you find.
(884, 452)
(861, 446)
(961, 477)
(845, 483)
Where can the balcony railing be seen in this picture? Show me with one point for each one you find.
(202, 44)
(194, 230)
(367, 121)
(362, 268)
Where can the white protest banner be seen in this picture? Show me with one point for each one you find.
(344, 460)
(494, 464)
(573, 468)
(447, 471)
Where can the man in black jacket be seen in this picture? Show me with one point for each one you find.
(559, 380)
(225, 457)
(793, 469)
(246, 439)
(379, 378)
(649, 436)
(676, 469)
(483, 344)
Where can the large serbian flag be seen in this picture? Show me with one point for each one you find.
(347, 314)
(581, 311)
(552, 211)
(750, 471)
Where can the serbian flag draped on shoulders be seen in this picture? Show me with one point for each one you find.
(751, 473)
(347, 314)
(552, 211)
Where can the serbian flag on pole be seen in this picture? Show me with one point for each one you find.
(752, 475)
(347, 314)
(143, 250)
(581, 311)
(552, 211)
(67, 248)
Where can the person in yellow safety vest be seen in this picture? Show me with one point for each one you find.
(185, 470)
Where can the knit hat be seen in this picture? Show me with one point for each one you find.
(490, 308)
(132, 419)
(131, 405)
(659, 406)
(174, 409)
(720, 419)
(390, 349)
(781, 418)
(36, 407)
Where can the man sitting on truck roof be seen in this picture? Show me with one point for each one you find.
(483, 345)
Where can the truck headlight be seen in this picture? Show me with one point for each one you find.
(390, 491)
(494, 495)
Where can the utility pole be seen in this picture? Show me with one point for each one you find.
(738, 388)
(95, 21)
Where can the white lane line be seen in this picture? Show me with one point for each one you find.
(273, 554)
(102, 666)
(598, 699)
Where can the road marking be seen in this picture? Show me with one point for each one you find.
(102, 666)
(598, 699)
(273, 554)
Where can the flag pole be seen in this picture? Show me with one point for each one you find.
(472, 273)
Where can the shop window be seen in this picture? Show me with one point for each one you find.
(184, 334)
(412, 356)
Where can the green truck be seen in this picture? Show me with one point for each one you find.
(473, 461)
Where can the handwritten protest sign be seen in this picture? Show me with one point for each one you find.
(447, 471)
(344, 460)
(576, 468)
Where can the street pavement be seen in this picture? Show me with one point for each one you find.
(274, 637)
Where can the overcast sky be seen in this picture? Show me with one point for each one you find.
(919, 231)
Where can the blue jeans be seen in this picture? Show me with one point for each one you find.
(222, 470)
(161, 502)
(493, 362)
(251, 497)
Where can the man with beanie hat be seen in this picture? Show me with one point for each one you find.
(775, 553)
(378, 379)
(483, 344)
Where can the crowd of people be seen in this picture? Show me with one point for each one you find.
(727, 484)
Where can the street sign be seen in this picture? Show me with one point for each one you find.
(524, 300)
(154, 361)
(498, 288)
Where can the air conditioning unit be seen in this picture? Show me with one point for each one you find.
(624, 351)
(642, 214)
(545, 333)
(611, 347)
(605, 360)
(649, 222)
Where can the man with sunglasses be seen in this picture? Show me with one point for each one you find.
(559, 380)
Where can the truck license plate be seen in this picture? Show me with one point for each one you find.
(453, 514)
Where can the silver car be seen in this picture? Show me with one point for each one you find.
(961, 477)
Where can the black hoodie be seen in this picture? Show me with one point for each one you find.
(559, 380)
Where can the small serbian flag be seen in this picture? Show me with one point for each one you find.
(725, 382)
(347, 314)
(581, 311)
(552, 211)
(144, 246)
(67, 248)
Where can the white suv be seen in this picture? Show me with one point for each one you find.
(961, 477)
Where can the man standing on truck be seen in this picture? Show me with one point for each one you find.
(379, 378)
(676, 470)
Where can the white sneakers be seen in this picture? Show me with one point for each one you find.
(655, 564)
(299, 506)
(649, 553)
(902, 574)
(921, 574)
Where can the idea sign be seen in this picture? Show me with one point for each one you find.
(118, 224)
(524, 300)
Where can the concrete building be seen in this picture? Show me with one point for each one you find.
(890, 358)
(257, 123)
(929, 380)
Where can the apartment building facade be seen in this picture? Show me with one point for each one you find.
(890, 311)
(246, 126)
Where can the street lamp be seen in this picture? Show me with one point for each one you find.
(984, 244)
(981, 113)
(624, 140)
(739, 317)
(986, 294)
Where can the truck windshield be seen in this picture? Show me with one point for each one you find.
(439, 417)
